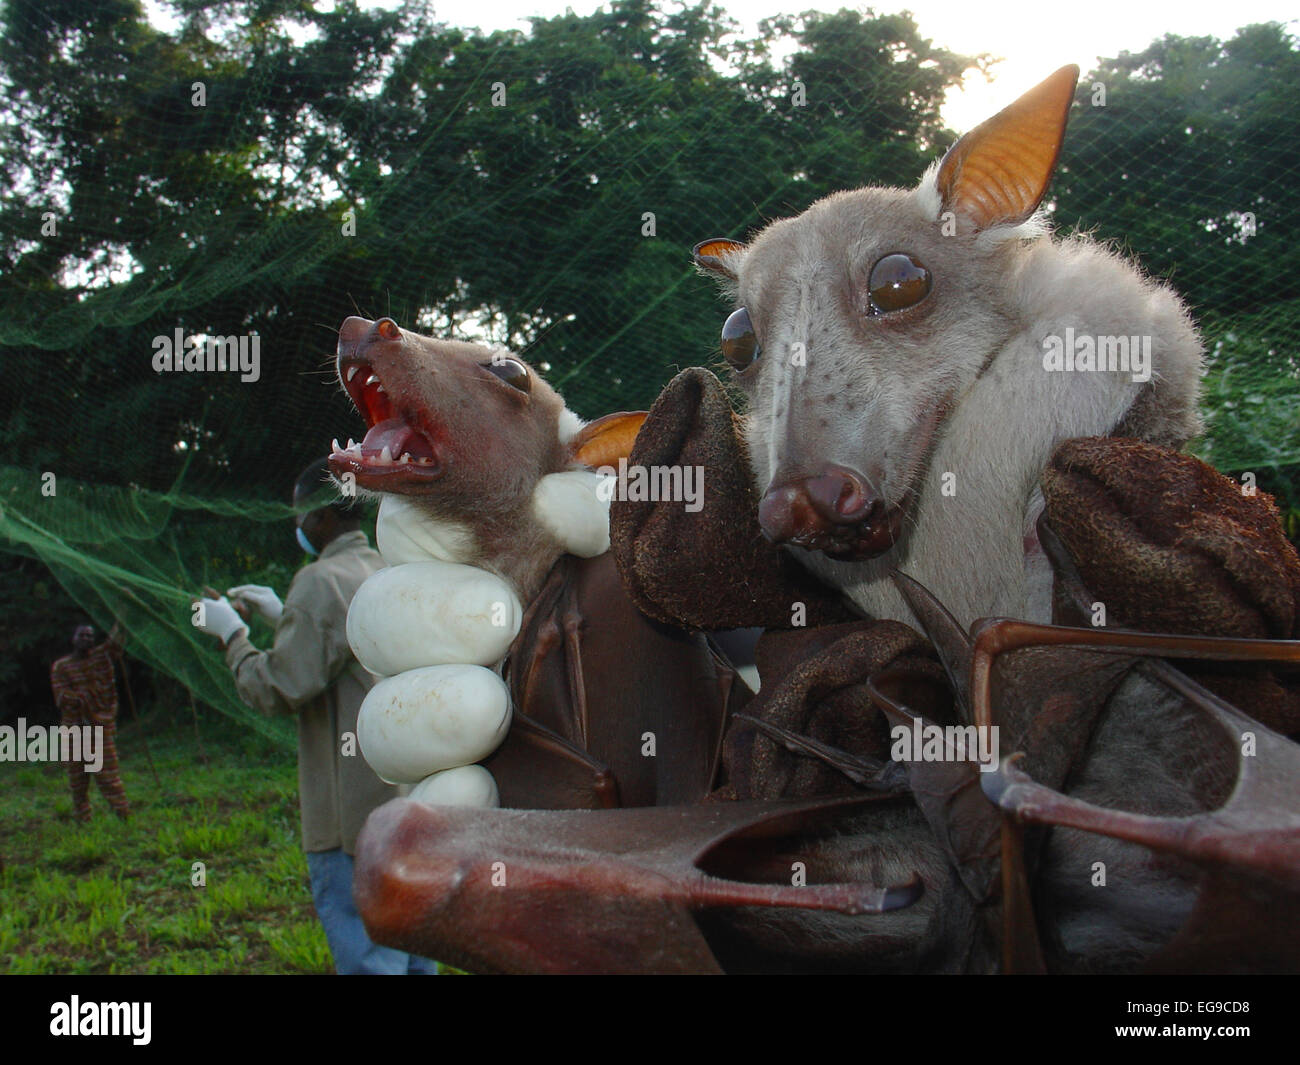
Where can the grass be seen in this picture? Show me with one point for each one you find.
(115, 897)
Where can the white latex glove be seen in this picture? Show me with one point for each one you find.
(260, 598)
(469, 785)
(217, 618)
(406, 533)
(435, 629)
(432, 614)
(426, 720)
(574, 506)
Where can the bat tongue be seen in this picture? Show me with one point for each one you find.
(399, 438)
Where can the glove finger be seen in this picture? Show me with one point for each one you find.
(248, 590)
(711, 568)
(430, 614)
(467, 785)
(1169, 544)
(427, 720)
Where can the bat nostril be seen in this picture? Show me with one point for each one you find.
(388, 329)
(808, 510)
(837, 512)
(354, 329)
(840, 496)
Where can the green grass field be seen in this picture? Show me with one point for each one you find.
(115, 897)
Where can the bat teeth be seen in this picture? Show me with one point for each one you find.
(373, 379)
(352, 372)
(385, 457)
(406, 458)
(334, 445)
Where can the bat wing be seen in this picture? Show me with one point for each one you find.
(1247, 847)
(611, 707)
(609, 891)
(1049, 689)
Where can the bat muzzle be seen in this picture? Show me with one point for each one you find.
(837, 512)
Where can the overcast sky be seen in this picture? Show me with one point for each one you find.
(1033, 38)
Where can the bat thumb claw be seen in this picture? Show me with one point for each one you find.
(899, 896)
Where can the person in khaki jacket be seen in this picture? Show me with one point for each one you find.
(310, 671)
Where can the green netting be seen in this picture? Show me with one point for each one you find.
(264, 169)
(125, 554)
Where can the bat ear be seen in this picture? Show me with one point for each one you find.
(719, 256)
(999, 171)
(606, 440)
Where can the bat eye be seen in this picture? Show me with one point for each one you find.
(897, 281)
(512, 372)
(740, 346)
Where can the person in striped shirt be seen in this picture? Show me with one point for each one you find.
(85, 693)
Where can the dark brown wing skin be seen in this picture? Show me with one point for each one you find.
(611, 707)
(1218, 854)
(608, 891)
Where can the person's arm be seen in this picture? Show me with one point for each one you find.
(116, 642)
(308, 654)
(66, 696)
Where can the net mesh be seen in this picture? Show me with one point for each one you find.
(262, 170)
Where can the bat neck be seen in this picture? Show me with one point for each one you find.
(518, 549)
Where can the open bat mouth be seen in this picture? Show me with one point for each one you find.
(835, 513)
(853, 543)
(398, 452)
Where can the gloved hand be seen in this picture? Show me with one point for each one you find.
(433, 629)
(218, 618)
(436, 629)
(260, 598)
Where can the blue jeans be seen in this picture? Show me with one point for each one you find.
(353, 951)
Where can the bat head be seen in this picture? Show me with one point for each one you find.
(886, 338)
(480, 449)
(458, 426)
